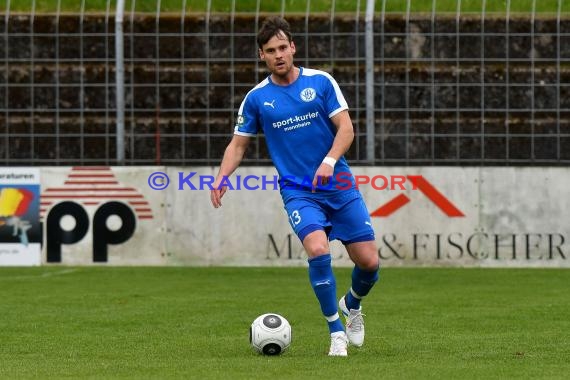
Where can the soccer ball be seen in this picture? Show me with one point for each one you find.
(270, 334)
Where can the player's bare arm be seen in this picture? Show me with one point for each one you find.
(341, 144)
(232, 158)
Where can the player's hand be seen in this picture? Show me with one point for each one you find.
(322, 176)
(216, 195)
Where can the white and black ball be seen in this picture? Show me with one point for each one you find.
(270, 334)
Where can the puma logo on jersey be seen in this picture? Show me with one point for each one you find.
(270, 104)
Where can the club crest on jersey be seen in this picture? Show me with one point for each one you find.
(308, 94)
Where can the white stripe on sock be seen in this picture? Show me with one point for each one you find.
(354, 294)
(332, 318)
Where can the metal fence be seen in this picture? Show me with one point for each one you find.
(120, 86)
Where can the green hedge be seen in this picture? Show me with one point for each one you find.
(467, 6)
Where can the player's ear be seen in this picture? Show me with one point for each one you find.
(261, 55)
(293, 48)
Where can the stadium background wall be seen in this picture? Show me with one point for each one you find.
(473, 217)
(469, 90)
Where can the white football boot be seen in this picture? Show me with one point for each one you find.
(339, 343)
(354, 323)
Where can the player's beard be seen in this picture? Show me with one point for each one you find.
(283, 70)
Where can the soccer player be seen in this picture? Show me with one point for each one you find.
(307, 127)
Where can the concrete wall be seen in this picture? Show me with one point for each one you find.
(473, 217)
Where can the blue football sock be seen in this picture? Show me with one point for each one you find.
(362, 282)
(324, 284)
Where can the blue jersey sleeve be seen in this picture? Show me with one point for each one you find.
(247, 123)
(334, 99)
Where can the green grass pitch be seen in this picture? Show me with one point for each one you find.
(163, 323)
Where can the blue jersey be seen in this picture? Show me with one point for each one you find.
(296, 122)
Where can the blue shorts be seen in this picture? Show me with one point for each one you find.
(342, 215)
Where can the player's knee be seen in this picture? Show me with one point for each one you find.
(369, 262)
(315, 249)
(316, 246)
(374, 263)
(370, 267)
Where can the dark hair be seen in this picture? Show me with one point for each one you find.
(273, 26)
